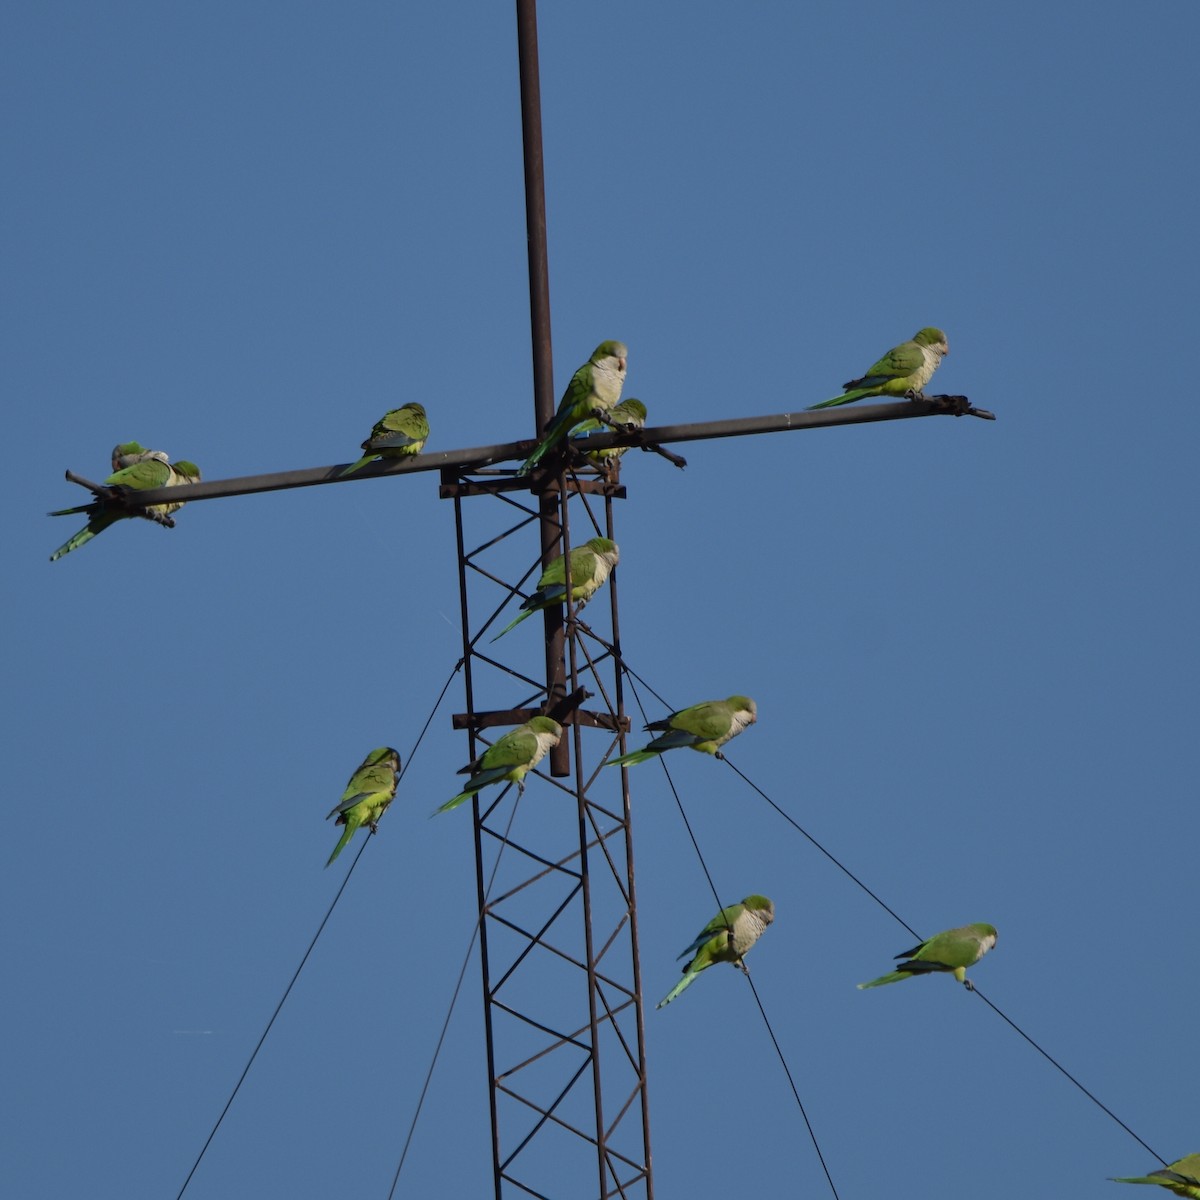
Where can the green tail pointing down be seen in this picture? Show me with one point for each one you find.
(726, 938)
(400, 433)
(594, 390)
(148, 470)
(508, 759)
(370, 790)
(591, 565)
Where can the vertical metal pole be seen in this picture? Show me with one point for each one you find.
(480, 888)
(539, 309)
(635, 950)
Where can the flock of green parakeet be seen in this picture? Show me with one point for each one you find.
(591, 402)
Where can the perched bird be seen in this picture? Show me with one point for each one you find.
(630, 414)
(951, 950)
(1182, 1177)
(902, 371)
(399, 434)
(151, 472)
(726, 938)
(370, 790)
(590, 567)
(593, 391)
(510, 757)
(705, 727)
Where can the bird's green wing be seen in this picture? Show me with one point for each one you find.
(401, 427)
(952, 948)
(142, 476)
(575, 398)
(556, 572)
(721, 923)
(707, 721)
(367, 780)
(514, 749)
(900, 360)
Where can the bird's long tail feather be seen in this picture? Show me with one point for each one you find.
(894, 977)
(555, 432)
(844, 398)
(633, 758)
(686, 982)
(453, 802)
(513, 623)
(351, 826)
(362, 462)
(83, 536)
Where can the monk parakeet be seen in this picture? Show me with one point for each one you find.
(399, 434)
(951, 950)
(594, 389)
(705, 727)
(145, 475)
(902, 371)
(629, 413)
(726, 938)
(1182, 1177)
(370, 790)
(510, 757)
(590, 567)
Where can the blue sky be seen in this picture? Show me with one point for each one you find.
(242, 234)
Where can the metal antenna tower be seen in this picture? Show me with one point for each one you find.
(561, 977)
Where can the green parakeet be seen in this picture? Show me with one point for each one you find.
(1182, 1177)
(399, 434)
(705, 727)
(902, 371)
(594, 389)
(952, 950)
(726, 938)
(370, 790)
(591, 564)
(510, 757)
(629, 413)
(151, 472)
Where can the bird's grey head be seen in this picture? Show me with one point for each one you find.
(934, 338)
(606, 549)
(763, 908)
(611, 349)
(546, 725)
(744, 707)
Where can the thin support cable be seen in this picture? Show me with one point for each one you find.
(286, 992)
(1055, 1063)
(721, 908)
(679, 805)
(311, 946)
(1103, 1107)
(836, 862)
(891, 912)
(792, 1084)
(437, 1050)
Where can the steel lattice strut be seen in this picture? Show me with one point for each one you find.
(561, 985)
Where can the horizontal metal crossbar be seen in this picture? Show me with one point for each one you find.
(476, 458)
